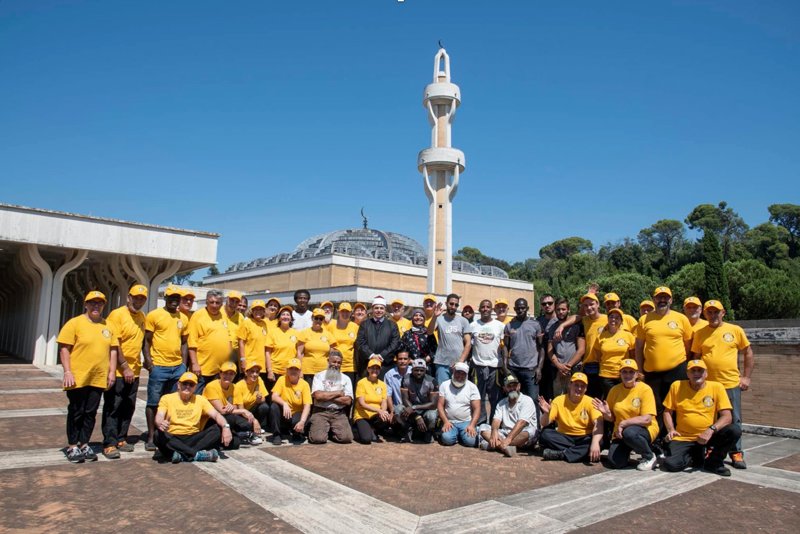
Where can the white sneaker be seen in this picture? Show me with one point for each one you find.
(255, 440)
(647, 465)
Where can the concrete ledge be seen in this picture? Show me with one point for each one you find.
(776, 431)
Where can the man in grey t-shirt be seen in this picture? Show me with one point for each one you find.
(455, 341)
(523, 340)
(567, 351)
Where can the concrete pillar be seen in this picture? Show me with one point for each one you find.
(73, 260)
(45, 291)
(167, 271)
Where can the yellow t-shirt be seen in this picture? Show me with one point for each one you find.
(699, 324)
(574, 419)
(91, 345)
(345, 342)
(403, 325)
(610, 350)
(283, 346)
(185, 418)
(508, 319)
(695, 410)
(130, 331)
(592, 328)
(317, 347)
(168, 329)
(436, 330)
(296, 396)
(234, 321)
(244, 394)
(254, 334)
(664, 338)
(373, 393)
(215, 391)
(629, 323)
(209, 335)
(719, 348)
(632, 402)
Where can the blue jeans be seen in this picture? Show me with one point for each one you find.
(443, 373)
(163, 379)
(459, 434)
(735, 396)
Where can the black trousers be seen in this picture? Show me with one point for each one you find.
(634, 438)
(261, 413)
(576, 448)
(280, 425)
(366, 430)
(82, 413)
(660, 382)
(188, 446)
(683, 453)
(239, 425)
(606, 384)
(119, 403)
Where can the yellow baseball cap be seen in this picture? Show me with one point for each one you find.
(359, 305)
(627, 363)
(173, 290)
(345, 306)
(580, 377)
(501, 300)
(187, 292)
(318, 312)
(647, 303)
(616, 311)
(329, 303)
(662, 289)
(258, 304)
(611, 297)
(233, 294)
(590, 296)
(373, 362)
(398, 301)
(94, 295)
(696, 363)
(692, 300)
(713, 304)
(429, 297)
(285, 308)
(294, 363)
(251, 364)
(188, 376)
(138, 290)
(271, 299)
(227, 366)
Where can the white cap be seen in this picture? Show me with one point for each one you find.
(461, 366)
(379, 300)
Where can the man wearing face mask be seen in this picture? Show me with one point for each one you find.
(514, 423)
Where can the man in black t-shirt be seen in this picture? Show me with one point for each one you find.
(420, 395)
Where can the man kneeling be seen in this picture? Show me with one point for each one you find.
(332, 393)
(291, 404)
(183, 434)
(514, 422)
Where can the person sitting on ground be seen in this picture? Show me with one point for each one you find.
(219, 392)
(291, 404)
(251, 394)
(701, 429)
(372, 415)
(631, 406)
(185, 425)
(332, 393)
(514, 423)
(420, 394)
(579, 426)
(459, 408)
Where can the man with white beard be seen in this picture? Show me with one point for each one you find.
(332, 393)
(514, 423)
(459, 408)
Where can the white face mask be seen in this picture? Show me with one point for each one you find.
(513, 395)
(457, 383)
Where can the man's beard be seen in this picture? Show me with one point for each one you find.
(513, 395)
(458, 383)
(333, 375)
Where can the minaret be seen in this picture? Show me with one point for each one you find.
(441, 166)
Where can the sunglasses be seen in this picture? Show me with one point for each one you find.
(547, 303)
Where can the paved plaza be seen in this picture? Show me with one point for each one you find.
(386, 487)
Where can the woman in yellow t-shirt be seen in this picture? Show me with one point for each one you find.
(359, 313)
(612, 346)
(631, 406)
(88, 348)
(251, 394)
(344, 332)
(281, 343)
(273, 305)
(313, 346)
(371, 415)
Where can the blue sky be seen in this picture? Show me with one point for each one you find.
(268, 122)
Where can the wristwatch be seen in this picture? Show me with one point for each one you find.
(713, 428)
(226, 425)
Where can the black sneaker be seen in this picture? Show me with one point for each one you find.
(75, 455)
(150, 446)
(276, 439)
(176, 457)
(718, 469)
(551, 455)
(88, 453)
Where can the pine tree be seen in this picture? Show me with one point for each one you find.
(716, 282)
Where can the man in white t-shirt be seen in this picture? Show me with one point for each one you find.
(514, 423)
(459, 408)
(487, 344)
(301, 315)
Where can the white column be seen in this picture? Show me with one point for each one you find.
(169, 270)
(73, 260)
(42, 306)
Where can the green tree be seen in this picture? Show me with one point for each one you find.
(564, 248)
(788, 216)
(212, 271)
(476, 257)
(632, 289)
(665, 238)
(758, 292)
(627, 255)
(768, 243)
(689, 281)
(181, 278)
(720, 219)
(716, 283)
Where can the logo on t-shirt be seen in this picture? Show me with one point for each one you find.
(179, 324)
(292, 338)
(673, 325)
(621, 342)
(324, 339)
(296, 394)
(378, 390)
(106, 333)
(225, 324)
(486, 337)
(263, 331)
(708, 402)
(584, 415)
(636, 402)
(352, 335)
(599, 330)
(727, 337)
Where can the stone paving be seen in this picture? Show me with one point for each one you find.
(387, 487)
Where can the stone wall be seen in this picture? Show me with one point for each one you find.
(774, 396)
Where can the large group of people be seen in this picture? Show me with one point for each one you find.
(666, 386)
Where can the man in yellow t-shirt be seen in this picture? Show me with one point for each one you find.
(501, 310)
(663, 341)
(209, 340)
(579, 425)
(183, 432)
(398, 308)
(220, 394)
(291, 404)
(252, 337)
(594, 323)
(88, 349)
(166, 331)
(187, 302)
(234, 319)
(692, 309)
(701, 429)
(719, 345)
(119, 401)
